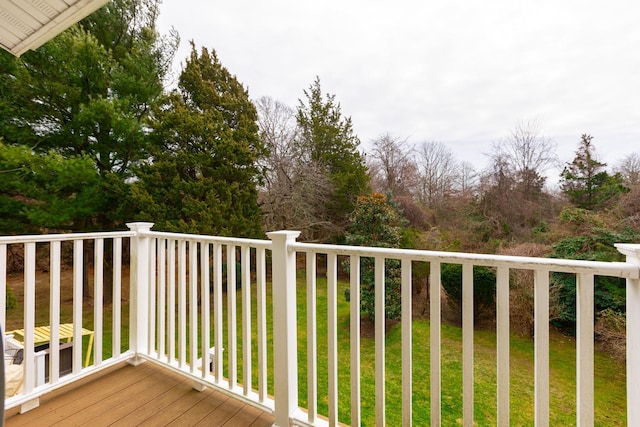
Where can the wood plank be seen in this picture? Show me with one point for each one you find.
(144, 395)
(265, 420)
(222, 414)
(164, 408)
(200, 410)
(126, 400)
(72, 398)
(244, 417)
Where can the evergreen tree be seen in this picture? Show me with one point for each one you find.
(203, 173)
(585, 180)
(89, 92)
(376, 222)
(327, 141)
(44, 190)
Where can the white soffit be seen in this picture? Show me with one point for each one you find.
(28, 24)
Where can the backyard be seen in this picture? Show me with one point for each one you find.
(609, 374)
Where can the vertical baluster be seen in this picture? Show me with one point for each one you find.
(217, 309)
(246, 318)
(153, 340)
(29, 316)
(435, 341)
(232, 338)
(193, 306)
(117, 296)
(77, 304)
(379, 344)
(407, 363)
(204, 307)
(171, 302)
(502, 302)
(54, 311)
(98, 286)
(585, 348)
(541, 347)
(354, 294)
(162, 297)
(467, 344)
(182, 303)
(312, 339)
(261, 291)
(332, 336)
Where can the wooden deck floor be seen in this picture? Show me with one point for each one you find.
(145, 395)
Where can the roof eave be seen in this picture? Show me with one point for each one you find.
(55, 26)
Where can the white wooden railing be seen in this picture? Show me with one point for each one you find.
(181, 318)
(33, 248)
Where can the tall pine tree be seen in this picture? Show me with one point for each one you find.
(203, 173)
(327, 141)
(585, 180)
(89, 92)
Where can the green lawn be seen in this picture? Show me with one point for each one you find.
(610, 375)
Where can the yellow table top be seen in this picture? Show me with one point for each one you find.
(42, 334)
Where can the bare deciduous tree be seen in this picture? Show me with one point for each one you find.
(527, 153)
(467, 179)
(629, 168)
(438, 171)
(296, 189)
(512, 192)
(277, 124)
(392, 166)
(527, 149)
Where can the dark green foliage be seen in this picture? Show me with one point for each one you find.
(225, 278)
(392, 286)
(375, 222)
(203, 173)
(45, 190)
(586, 182)
(597, 245)
(328, 142)
(89, 92)
(484, 288)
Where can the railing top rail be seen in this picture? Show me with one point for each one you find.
(238, 241)
(615, 269)
(43, 238)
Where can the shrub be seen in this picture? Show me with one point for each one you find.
(484, 288)
(610, 329)
(596, 245)
(376, 222)
(521, 290)
(392, 282)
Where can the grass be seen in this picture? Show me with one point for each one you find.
(610, 386)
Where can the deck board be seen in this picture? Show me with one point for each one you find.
(145, 395)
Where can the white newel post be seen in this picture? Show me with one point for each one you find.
(285, 338)
(139, 290)
(632, 253)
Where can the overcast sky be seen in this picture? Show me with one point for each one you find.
(461, 72)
